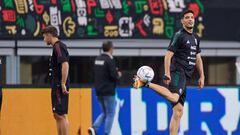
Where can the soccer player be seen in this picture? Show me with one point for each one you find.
(106, 76)
(182, 57)
(59, 66)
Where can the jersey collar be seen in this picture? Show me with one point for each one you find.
(186, 31)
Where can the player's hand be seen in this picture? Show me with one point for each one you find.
(201, 82)
(166, 79)
(137, 82)
(64, 89)
(119, 74)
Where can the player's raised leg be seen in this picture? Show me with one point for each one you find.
(172, 97)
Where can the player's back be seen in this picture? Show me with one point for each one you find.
(104, 77)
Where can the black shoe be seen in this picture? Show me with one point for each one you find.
(91, 131)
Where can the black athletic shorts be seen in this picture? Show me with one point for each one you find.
(59, 101)
(178, 85)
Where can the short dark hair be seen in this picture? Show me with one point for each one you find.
(51, 30)
(186, 12)
(107, 45)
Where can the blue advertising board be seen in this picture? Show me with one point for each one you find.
(209, 111)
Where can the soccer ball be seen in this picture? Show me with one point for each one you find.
(145, 73)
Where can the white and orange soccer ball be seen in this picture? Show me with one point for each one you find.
(145, 73)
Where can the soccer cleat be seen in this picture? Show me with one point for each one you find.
(91, 131)
(138, 83)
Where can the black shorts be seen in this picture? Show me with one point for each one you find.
(59, 101)
(178, 85)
